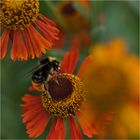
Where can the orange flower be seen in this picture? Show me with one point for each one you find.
(113, 89)
(31, 33)
(65, 102)
(76, 24)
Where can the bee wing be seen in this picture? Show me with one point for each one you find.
(35, 69)
(30, 72)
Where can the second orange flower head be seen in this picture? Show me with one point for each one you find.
(30, 32)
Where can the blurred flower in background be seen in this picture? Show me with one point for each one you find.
(76, 25)
(113, 89)
(31, 33)
(66, 99)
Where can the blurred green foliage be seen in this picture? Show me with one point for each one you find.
(121, 20)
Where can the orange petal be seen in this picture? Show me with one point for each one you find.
(44, 30)
(28, 44)
(27, 98)
(74, 130)
(39, 43)
(84, 65)
(31, 89)
(57, 130)
(50, 35)
(19, 51)
(47, 21)
(32, 106)
(70, 60)
(4, 43)
(34, 115)
(35, 120)
(36, 127)
(35, 47)
(85, 125)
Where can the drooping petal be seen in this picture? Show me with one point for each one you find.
(74, 130)
(86, 126)
(28, 44)
(34, 115)
(44, 28)
(4, 43)
(39, 43)
(48, 21)
(57, 130)
(36, 49)
(19, 51)
(84, 65)
(70, 60)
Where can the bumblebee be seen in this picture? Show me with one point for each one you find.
(43, 73)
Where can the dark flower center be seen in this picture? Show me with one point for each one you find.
(60, 89)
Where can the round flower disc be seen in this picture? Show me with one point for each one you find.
(67, 94)
(18, 14)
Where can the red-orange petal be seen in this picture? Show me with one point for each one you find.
(38, 126)
(4, 43)
(70, 60)
(36, 49)
(39, 43)
(74, 130)
(28, 44)
(50, 25)
(84, 65)
(47, 21)
(19, 51)
(48, 34)
(27, 97)
(31, 89)
(57, 130)
(34, 115)
(31, 108)
(86, 126)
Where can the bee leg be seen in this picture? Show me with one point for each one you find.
(56, 80)
(47, 90)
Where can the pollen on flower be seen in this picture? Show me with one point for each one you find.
(18, 14)
(66, 96)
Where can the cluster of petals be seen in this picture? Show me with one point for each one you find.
(33, 41)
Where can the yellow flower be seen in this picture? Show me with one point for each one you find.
(125, 124)
(112, 81)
